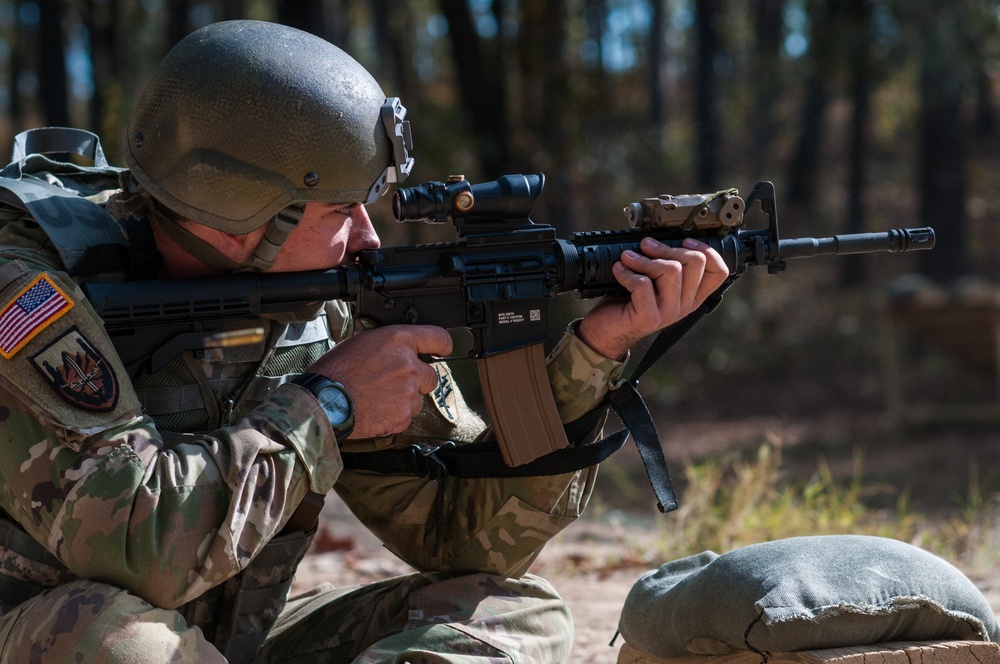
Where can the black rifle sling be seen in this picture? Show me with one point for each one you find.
(631, 409)
(483, 459)
(480, 459)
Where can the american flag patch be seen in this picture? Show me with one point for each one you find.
(35, 308)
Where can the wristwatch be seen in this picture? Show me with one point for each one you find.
(335, 400)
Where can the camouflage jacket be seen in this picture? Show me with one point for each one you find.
(89, 473)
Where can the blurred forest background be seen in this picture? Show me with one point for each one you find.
(866, 114)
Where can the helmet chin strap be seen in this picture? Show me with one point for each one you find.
(277, 231)
(263, 256)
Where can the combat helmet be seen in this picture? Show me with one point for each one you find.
(243, 122)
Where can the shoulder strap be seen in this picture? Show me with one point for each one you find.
(54, 140)
(79, 228)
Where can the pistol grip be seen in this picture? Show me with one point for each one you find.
(521, 406)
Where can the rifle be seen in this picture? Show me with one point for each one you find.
(495, 280)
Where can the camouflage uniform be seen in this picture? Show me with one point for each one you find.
(142, 523)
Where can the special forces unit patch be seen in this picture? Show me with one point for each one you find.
(78, 372)
(36, 307)
(444, 396)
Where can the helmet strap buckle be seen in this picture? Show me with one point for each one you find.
(278, 229)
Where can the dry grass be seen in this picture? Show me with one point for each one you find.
(734, 500)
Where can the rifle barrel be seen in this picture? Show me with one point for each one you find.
(897, 239)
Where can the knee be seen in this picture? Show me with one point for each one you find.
(524, 617)
(86, 621)
(520, 621)
(556, 622)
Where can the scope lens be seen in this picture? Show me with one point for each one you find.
(397, 205)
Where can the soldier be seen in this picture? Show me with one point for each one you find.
(151, 515)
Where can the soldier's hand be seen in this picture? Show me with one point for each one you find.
(382, 370)
(665, 284)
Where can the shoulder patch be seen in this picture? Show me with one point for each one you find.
(38, 305)
(78, 372)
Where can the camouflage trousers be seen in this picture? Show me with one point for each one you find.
(419, 619)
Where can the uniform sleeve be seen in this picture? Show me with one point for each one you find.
(580, 376)
(88, 475)
(495, 525)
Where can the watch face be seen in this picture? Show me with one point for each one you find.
(335, 403)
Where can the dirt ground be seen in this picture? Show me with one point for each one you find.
(594, 563)
(576, 563)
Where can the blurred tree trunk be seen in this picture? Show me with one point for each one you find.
(178, 25)
(596, 20)
(859, 15)
(52, 79)
(98, 18)
(986, 111)
(803, 180)
(943, 184)
(338, 21)
(108, 22)
(18, 52)
(305, 15)
(706, 99)
(479, 71)
(233, 9)
(767, 82)
(395, 42)
(658, 64)
(548, 113)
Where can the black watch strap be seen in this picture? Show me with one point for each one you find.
(316, 383)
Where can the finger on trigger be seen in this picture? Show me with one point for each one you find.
(431, 340)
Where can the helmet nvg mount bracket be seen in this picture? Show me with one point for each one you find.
(398, 130)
